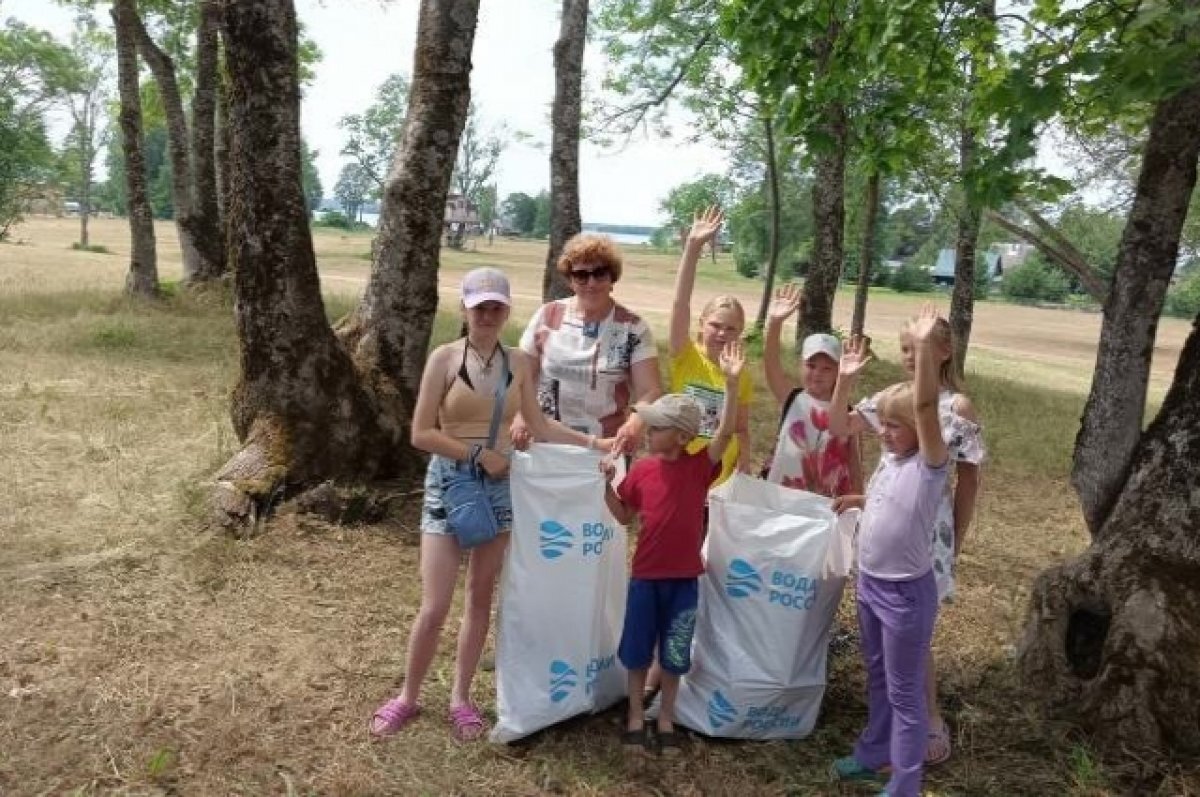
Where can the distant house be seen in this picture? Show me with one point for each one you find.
(998, 257)
(460, 210)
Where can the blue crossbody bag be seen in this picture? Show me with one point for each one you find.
(469, 512)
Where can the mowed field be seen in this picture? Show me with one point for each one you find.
(143, 653)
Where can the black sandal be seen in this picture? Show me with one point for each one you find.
(635, 743)
(670, 744)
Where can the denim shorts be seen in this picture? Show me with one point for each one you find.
(433, 510)
(659, 613)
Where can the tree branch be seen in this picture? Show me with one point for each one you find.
(1070, 260)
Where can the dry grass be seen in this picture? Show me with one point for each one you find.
(141, 655)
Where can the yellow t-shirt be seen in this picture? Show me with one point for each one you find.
(693, 374)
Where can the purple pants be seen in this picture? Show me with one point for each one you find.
(895, 620)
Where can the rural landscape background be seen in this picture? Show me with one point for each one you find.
(145, 653)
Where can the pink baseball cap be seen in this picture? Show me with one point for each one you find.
(485, 285)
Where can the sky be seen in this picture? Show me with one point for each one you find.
(365, 41)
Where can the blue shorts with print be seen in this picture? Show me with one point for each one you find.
(433, 510)
(659, 613)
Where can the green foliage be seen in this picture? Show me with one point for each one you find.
(478, 156)
(911, 278)
(337, 220)
(372, 135)
(520, 212)
(488, 201)
(1183, 299)
(352, 189)
(1035, 280)
(685, 200)
(309, 176)
(34, 71)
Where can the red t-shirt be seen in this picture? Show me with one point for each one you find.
(669, 497)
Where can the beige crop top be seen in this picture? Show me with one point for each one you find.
(466, 413)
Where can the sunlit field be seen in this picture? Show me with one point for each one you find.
(144, 653)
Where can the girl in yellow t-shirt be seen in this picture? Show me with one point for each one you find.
(695, 362)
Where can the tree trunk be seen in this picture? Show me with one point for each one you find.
(142, 279)
(163, 69)
(207, 225)
(776, 214)
(85, 190)
(829, 216)
(1112, 643)
(866, 256)
(962, 299)
(565, 117)
(221, 151)
(1146, 259)
(389, 332)
(298, 407)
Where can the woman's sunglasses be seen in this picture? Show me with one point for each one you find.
(601, 274)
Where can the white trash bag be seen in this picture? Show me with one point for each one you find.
(777, 559)
(562, 594)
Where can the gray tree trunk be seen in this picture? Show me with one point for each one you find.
(829, 216)
(565, 119)
(866, 258)
(389, 332)
(764, 304)
(1112, 642)
(163, 68)
(962, 299)
(298, 406)
(142, 279)
(207, 226)
(1146, 259)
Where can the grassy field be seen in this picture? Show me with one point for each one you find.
(142, 654)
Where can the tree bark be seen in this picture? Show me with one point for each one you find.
(776, 214)
(829, 216)
(1112, 642)
(298, 407)
(866, 257)
(142, 279)
(565, 119)
(207, 226)
(1146, 259)
(389, 332)
(962, 299)
(221, 151)
(163, 68)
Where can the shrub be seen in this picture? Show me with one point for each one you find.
(911, 278)
(335, 218)
(1183, 299)
(1035, 280)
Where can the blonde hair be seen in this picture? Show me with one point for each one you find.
(895, 403)
(943, 335)
(725, 302)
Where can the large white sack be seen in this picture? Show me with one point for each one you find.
(776, 562)
(562, 595)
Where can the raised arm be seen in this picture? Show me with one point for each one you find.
(704, 228)
(925, 389)
(733, 359)
(787, 301)
(854, 359)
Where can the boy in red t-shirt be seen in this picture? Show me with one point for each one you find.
(667, 491)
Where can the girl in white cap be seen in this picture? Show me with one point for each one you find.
(808, 454)
(453, 422)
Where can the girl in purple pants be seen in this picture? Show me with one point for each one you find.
(897, 593)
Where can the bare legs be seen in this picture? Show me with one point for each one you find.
(440, 558)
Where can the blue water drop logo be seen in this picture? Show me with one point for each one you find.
(720, 710)
(555, 539)
(742, 579)
(563, 679)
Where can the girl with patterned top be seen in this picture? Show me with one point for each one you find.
(964, 439)
(808, 455)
